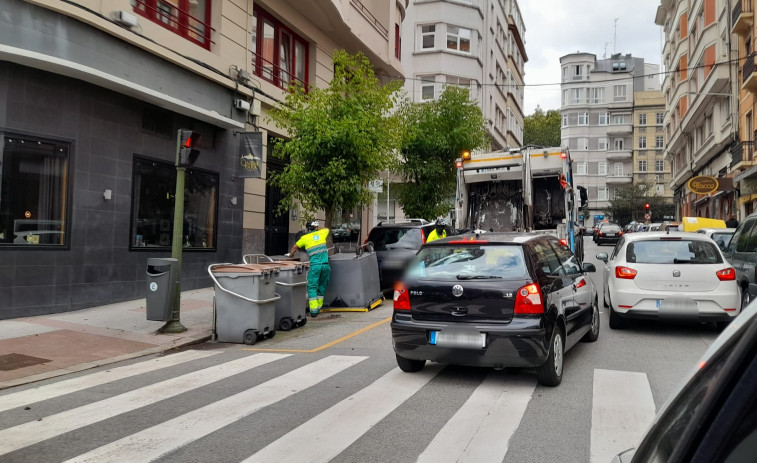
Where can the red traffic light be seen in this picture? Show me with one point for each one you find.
(646, 206)
(187, 154)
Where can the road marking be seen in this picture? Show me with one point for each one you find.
(327, 345)
(481, 429)
(153, 443)
(328, 434)
(26, 434)
(49, 391)
(622, 410)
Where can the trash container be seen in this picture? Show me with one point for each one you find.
(244, 305)
(161, 287)
(291, 285)
(354, 283)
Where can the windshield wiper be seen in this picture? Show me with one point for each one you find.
(476, 277)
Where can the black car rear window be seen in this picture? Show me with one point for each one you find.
(469, 262)
(667, 251)
(391, 238)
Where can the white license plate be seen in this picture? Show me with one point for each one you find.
(464, 339)
(677, 307)
(611, 234)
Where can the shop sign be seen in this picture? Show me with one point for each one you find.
(250, 155)
(703, 184)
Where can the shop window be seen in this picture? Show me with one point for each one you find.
(279, 55)
(188, 18)
(154, 188)
(34, 191)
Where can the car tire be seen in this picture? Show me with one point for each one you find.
(409, 365)
(616, 321)
(550, 374)
(746, 298)
(593, 333)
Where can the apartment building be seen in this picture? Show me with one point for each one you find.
(92, 94)
(701, 117)
(597, 110)
(650, 167)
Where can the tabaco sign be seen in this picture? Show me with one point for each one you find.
(703, 184)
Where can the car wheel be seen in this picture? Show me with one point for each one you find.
(409, 365)
(550, 374)
(593, 333)
(616, 321)
(746, 298)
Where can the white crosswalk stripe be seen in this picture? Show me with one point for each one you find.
(30, 433)
(67, 386)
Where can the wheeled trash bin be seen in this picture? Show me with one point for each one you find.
(354, 284)
(291, 285)
(244, 305)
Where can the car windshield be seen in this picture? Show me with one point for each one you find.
(392, 238)
(468, 262)
(724, 237)
(669, 251)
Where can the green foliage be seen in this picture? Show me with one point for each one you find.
(628, 204)
(435, 134)
(542, 128)
(340, 137)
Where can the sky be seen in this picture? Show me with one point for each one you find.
(555, 28)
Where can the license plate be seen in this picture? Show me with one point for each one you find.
(677, 307)
(459, 338)
(611, 234)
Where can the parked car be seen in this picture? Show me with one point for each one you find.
(396, 242)
(721, 236)
(511, 300)
(741, 252)
(610, 233)
(712, 416)
(676, 275)
(345, 232)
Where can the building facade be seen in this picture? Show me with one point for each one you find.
(650, 167)
(700, 120)
(597, 111)
(91, 97)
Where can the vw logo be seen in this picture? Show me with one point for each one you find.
(457, 290)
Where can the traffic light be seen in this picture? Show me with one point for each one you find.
(646, 207)
(187, 140)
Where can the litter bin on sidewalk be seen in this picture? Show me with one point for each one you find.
(291, 285)
(244, 305)
(161, 287)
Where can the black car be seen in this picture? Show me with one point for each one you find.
(395, 243)
(496, 300)
(609, 233)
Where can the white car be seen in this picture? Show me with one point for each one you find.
(676, 275)
(721, 236)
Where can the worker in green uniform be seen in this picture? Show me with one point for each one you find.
(314, 243)
(437, 232)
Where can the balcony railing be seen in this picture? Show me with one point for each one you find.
(742, 17)
(275, 74)
(741, 152)
(748, 75)
(180, 21)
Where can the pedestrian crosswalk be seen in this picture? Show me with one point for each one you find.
(479, 430)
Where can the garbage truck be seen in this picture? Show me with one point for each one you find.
(520, 189)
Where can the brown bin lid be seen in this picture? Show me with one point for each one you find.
(243, 268)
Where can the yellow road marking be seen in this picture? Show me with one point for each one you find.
(327, 345)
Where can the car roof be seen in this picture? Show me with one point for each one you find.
(407, 223)
(661, 234)
(718, 230)
(492, 237)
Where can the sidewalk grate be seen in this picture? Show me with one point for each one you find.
(15, 361)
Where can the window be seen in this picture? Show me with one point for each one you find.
(34, 199)
(658, 118)
(642, 119)
(280, 55)
(618, 169)
(659, 142)
(618, 119)
(188, 18)
(458, 38)
(427, 87)
(659, 165)
(459, 81)
(620, 93)
(577, 72)
(602, 143)
(603, 193)
(597, 95)
(642, 142)
(565, 120)
(428, 33)
(582, 168)
(583, 118)
(397, 42)
(602, 168)
(642, 166)
(577, 95)
(153, 185)
(618, 144)
(604, 118)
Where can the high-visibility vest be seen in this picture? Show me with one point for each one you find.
(315, 245)
(435, 236)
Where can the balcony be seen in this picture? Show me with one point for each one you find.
(742, 18)
(619, 129)
(742, 155)
(749, 76)
(619, 155)
(619, 179)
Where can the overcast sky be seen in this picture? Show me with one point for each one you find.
(555, 28)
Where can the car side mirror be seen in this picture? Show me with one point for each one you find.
(589, 267)
(602, 256)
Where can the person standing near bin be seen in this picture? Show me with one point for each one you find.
(314, 243)
(438, 232)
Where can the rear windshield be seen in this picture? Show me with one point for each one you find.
(610, 228)
(469, 262)
(724, 237)
(673, 252)
(392, 238)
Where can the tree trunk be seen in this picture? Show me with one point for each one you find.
(329, 213)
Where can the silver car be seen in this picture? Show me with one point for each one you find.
(674, 275)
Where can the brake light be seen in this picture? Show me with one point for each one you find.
(528, 300)
(564, 242)
(423, 237)
(727, 274)
(581, 283)
(625, 273)
(599, 233)
(470, 241)
(620, 233)
(401, 297)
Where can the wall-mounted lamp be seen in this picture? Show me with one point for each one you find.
(107, 194)
(234, 200)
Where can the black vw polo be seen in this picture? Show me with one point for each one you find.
(495, 300)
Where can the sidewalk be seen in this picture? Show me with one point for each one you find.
(37, 348)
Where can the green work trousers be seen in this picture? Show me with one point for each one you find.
(318, 279)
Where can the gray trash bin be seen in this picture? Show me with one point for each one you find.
(354, 283)
(291, 285)
(161, 287)
(244, 303)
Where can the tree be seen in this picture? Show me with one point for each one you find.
(542, 128)
(628, 204)
(435, 134)
(340, 138)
